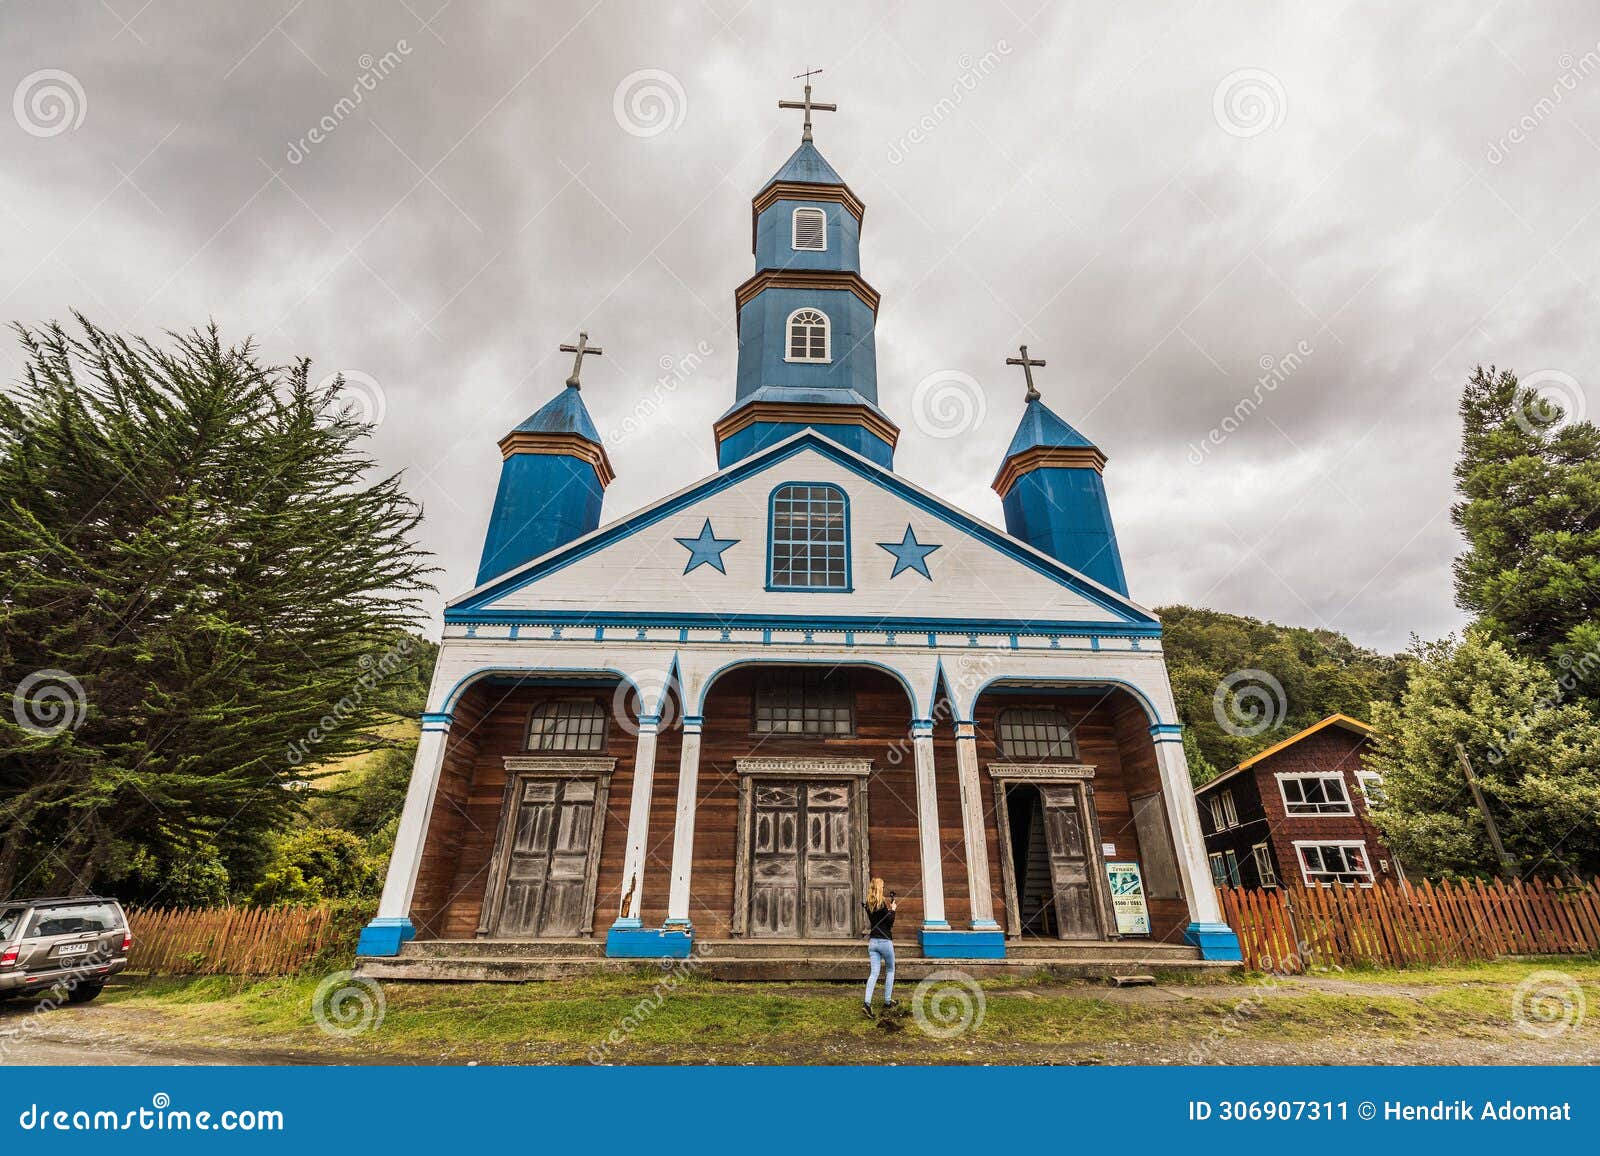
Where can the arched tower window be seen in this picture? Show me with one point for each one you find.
(809, 230)
(1032, 733)
(808, 335)
(567, 725)
(809, 538)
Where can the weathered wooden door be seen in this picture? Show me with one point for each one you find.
(548, 861)
(1067, 836)
(802, 874)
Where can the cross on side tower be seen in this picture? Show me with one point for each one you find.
(1027, 364)
(579, 351)
(808, 104)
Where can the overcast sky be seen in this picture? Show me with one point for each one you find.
(1358, 202)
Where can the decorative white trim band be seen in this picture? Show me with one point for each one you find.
(1041, 771)
(805, 768)
(559, 765)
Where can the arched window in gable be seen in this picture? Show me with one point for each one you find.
(808, 538)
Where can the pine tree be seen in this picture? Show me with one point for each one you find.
(1537, 759)
(203, 593)
(1530, 484)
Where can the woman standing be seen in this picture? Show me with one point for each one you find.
(880, 944)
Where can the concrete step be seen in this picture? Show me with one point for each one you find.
(771, 967)
(579, 949)
(843, 950)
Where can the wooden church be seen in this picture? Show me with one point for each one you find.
(705, 726)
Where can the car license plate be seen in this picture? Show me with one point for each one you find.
(73, 949)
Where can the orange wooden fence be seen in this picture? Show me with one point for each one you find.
(228, 940)
(1397, 925)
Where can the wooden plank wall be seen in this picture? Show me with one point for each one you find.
(1399, 925)
(492, 722)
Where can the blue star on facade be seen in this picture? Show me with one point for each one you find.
(707, 548)
(909, 554)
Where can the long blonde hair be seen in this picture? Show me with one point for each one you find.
(875, 899)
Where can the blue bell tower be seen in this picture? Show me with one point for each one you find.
(552, 479)
(1052, 488)
(807, 355)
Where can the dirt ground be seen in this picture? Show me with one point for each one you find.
(1394, 1018)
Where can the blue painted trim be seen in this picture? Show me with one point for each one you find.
(765, 459)
(935, 925)
(627, 922)
(849, 572)
(963, 944)
(984, 925)
(649, 943)
(1215, 941)
(484, 672)
(384, 936)
(864, 623)
(1167, 729)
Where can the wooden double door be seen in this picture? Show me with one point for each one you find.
(546, 859)
(802, 860)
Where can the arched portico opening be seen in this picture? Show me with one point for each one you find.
(1083, 847)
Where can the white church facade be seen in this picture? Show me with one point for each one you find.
(704, 726)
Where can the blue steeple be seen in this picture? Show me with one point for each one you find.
(552, 481)
(1053, 491)
(807, 351)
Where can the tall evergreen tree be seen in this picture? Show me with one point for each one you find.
(203, 594)
(1530, 510)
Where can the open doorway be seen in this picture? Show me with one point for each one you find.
(1030, 861)
(1057, 880)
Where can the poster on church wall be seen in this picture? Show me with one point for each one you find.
(1127, 898)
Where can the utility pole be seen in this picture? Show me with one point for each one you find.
(1508, 865)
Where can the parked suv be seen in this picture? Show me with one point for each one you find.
(77, 943)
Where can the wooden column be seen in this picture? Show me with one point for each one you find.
(928, 827)
(683, 831)
(977, 848)
(1184, 818)
(644, 773)
(412, 833)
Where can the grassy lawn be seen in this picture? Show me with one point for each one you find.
(1462, 1013)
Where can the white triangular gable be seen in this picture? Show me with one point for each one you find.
(641, 570)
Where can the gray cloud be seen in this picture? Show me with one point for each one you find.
(1058, 177)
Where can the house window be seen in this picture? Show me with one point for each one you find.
(567, 725)
(810, 538)
(804, 702)
(810, 230)
(1371, 784)
(1224, 813)
(1321, 794)
(1028, 733)
(1265, 871)
(1334, 862)
(1224, 868)
(808, 335)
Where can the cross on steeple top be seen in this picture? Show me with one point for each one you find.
(808, 104)
(1027, 364)
(579, 351)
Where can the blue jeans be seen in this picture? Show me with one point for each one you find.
(881, 952)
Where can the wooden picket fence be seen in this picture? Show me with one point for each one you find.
(227, 940)
(1294, 929)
